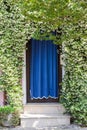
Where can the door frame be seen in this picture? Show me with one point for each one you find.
(28, 100)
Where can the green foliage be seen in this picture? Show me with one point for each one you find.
(9, 114)
(50, 15)
(6, 110)
(13, 35)
(14, 97)
(74, 87)
(15, 118)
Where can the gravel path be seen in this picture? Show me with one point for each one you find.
(71, 127)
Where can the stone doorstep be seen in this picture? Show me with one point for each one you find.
(38, 120)
(43, 108)
(25, 116)
(44, 115)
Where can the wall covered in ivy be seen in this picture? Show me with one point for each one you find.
(20, 20)
(74, 86)
(13, 37)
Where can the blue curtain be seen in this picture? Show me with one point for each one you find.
(44, 72)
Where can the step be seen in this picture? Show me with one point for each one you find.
(44, 120)
(44, 108)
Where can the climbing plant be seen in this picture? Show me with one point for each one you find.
(74, 86)
(13, 37)
(64, 22)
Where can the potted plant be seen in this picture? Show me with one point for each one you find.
(8, 116)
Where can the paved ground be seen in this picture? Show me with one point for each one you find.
(71, 127)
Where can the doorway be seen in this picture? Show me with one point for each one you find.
(42, 71)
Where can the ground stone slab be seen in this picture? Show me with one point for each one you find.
(70, 127)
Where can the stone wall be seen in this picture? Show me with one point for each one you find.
(2, 95)
(2, 98)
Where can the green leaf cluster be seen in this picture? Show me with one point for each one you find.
(50, 15)
(6, 110)
(13, 37)
(74, 86)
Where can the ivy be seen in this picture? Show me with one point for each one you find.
(74, 86)
(13, 37)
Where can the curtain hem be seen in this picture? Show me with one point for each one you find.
(44, 97)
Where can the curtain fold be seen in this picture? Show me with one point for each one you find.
(44, 69)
